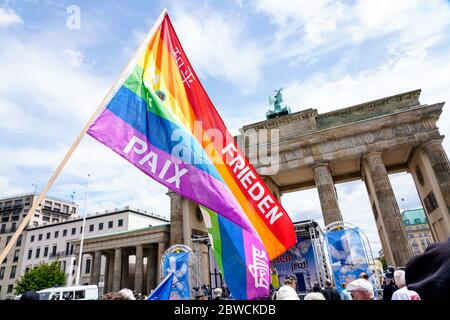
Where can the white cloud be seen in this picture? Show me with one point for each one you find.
(8, 17)
(310, 28)
(46, 96)
(8, 187)
(74, 57)
(47, 82)
(217, 45)
(432, 75)
(13, 117)
(314, 18)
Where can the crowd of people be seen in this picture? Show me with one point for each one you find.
(425, 277)
(359, 289)
(219, 293)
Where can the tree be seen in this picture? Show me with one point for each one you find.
(41, 277)
(383, 262)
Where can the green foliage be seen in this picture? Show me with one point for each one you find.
(41, 277)
(383, 262)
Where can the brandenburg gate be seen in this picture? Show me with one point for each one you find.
(363, 142)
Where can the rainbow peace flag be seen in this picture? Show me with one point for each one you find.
(163, 122)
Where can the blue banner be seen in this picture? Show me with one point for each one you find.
(162, 292)
(298, 260)
(178, 263)
(347, 255)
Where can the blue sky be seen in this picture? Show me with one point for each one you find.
(327, 55)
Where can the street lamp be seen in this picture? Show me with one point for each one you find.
(77, 282)
(35, 185)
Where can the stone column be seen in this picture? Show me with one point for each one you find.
(327, 193)
(161, 248)
(429, 167)
(139, 269)
(388, 213)
(106, 274)
(91, 269)
(441, 167)
(151, 269)
(97, 265)
(274, 188)
(176, 218)
(117, 268)
(109, 283)
(125, 269)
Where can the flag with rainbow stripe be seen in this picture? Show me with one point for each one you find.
(162, 121)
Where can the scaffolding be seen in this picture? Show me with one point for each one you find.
(310, 229)
(197, 241)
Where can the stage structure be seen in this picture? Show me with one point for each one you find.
(307, 259)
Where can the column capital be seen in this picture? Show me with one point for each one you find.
(267, 178)
(372, 154)
(432, 142)
(323, 163)
(172, 194)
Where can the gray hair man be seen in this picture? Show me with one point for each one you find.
(288, 291)
(360, 289)
(403, 293)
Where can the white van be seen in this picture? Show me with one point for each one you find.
(70, 293)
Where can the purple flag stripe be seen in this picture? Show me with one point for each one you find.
(195, 184)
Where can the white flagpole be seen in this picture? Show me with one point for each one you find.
(80, 257)
(112, 91)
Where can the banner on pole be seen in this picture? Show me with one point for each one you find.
(298, 260)
(162, 292)
(347, 255)
(178, 264)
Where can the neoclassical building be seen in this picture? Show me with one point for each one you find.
(12, 211)
(364, 142)
(132, 258)
(60, 241)
(417, 229)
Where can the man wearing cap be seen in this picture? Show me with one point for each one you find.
(287, 292)
(360, 289)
